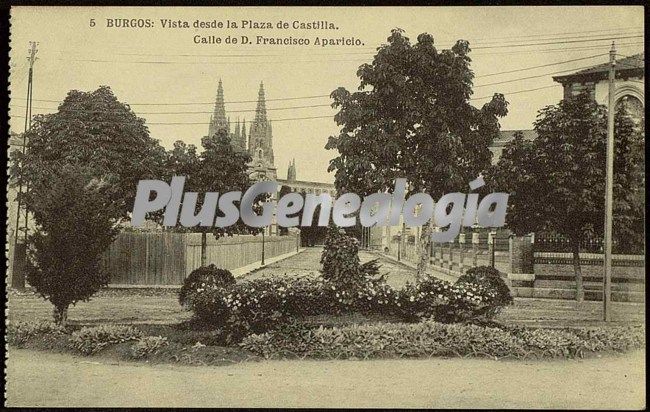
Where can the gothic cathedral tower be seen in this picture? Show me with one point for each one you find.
(260, 135)
(260, 142)
(218, 120)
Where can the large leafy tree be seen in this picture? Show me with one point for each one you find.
(182, 160)
(557, 181)
(93, 139)
(412, 118)
(75, 224)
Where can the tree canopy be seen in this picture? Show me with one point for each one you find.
(91, 129)
(412, 118)
(557, 181)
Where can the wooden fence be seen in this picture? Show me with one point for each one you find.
(168, 258)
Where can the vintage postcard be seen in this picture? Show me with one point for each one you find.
(333, 207)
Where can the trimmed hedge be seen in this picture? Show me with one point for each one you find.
(429, 338)
(489, 278)
(206, 278)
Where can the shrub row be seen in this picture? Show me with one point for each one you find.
(430, 338)
(87, 340)
(260, 305)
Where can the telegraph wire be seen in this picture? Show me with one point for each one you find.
(540, 66)
(517, 92)
(192, 112)
(300, 118)
(192, 123)
(532, 77)
(560, 42)
(562, 49)
(327, 95)
(206, 103)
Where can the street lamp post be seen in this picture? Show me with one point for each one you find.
(259, 175)
(491, 241)
(263, 229)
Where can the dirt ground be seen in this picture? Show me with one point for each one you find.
(47, 379)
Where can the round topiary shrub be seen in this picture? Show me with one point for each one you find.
(489, 278)
(202, 279)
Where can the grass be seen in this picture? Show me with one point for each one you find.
(156, 312)
(160, 306)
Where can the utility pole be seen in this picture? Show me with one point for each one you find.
(609, 190)
(17, 277)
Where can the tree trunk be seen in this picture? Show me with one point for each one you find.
(580, 293)
(424, 249)
(60, 315)
(204, 249)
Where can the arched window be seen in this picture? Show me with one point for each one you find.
(633, 106)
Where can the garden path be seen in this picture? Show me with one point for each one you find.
(307, 262)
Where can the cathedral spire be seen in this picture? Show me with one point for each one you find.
(260, 138)
(218, 119)
(269, 131)
(260, 111)
(291, 172)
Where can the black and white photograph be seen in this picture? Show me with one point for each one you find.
(433, 207)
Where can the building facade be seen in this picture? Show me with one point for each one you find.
(629, 84)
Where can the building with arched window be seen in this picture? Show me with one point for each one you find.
(629, 84)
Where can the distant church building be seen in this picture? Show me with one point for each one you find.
(259, 144)
(260, 137)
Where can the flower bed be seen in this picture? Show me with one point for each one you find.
(179, 344)
(260, 305)
(429, 338)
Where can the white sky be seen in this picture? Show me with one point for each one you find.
(66, 40)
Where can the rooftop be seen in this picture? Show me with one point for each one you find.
(631, 65)
(506, 136)
(306, 183)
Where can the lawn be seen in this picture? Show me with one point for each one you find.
(157, 314)
(160, 306)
